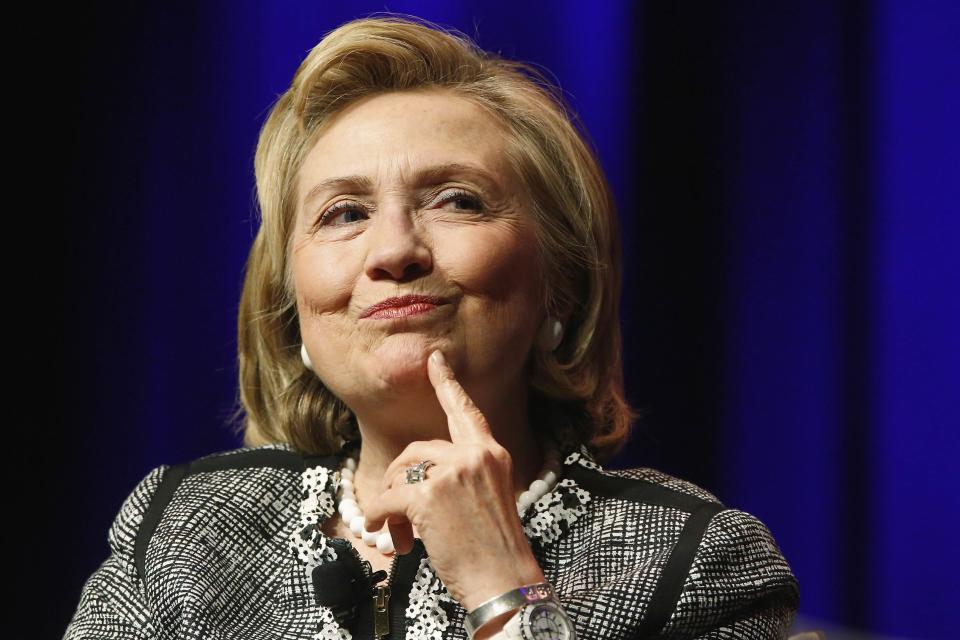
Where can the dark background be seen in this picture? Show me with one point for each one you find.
(787, 176)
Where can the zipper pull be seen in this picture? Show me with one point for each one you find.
(381, 612)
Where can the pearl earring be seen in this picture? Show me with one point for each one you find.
(305, 357)
(551, 334)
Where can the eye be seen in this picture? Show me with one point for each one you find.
(338, 209)
(466, 198)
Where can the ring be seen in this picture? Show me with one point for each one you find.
(418, 472)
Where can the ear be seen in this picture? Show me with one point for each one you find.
(550, 334)
(565, 314)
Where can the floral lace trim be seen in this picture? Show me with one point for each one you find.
(329, 628)
(554, 513)
(427, 619)
(309, 544)
(583, 458)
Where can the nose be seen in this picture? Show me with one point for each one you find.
(397, 250)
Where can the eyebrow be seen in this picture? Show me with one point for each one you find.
(422, 177)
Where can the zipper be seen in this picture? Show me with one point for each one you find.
(381, 602)
(387, 593)
(364, 564)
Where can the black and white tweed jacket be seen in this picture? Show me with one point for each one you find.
(229, 547)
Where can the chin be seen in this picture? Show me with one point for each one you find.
(401, 364)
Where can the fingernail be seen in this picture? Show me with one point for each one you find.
(437, 357)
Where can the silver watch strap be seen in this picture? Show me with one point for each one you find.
(505, 602)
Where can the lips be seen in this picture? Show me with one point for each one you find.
(403, 301)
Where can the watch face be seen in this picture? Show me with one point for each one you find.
(546, 621)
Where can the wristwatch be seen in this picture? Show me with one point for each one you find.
(539, 615)
(544, 620)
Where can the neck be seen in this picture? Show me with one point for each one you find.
(388, 429)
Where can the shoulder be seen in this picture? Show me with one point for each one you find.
(641, 485)
(280, 455)
(223, 472)
(738, 575)
(237, 487)
(695, 562)
(232, 469)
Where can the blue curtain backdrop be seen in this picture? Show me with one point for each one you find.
(787, 176)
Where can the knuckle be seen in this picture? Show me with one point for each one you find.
(428, 492)
(464, 402)
(410, 450)
(484, 458)
(478, 458)
(502, 456)
(474, 412)
(372, 512)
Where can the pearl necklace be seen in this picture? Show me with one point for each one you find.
(351, 513)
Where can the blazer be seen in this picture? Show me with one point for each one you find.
(229, 546)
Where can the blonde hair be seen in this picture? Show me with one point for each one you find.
(580, 384)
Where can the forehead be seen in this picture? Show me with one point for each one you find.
(395, 132)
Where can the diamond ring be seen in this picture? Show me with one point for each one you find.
(418, 472)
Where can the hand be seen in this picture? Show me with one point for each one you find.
(464, 511)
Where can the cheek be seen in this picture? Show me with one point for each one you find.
(501, 307)
(502, 271)
(322, 284)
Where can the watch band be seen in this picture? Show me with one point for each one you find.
(511, 628)
(505, 602)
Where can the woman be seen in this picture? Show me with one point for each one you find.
(430, 371)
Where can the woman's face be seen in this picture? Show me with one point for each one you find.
(411, 193)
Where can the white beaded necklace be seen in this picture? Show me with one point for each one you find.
(351, 513)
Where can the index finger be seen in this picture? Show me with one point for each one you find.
(466, 422)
